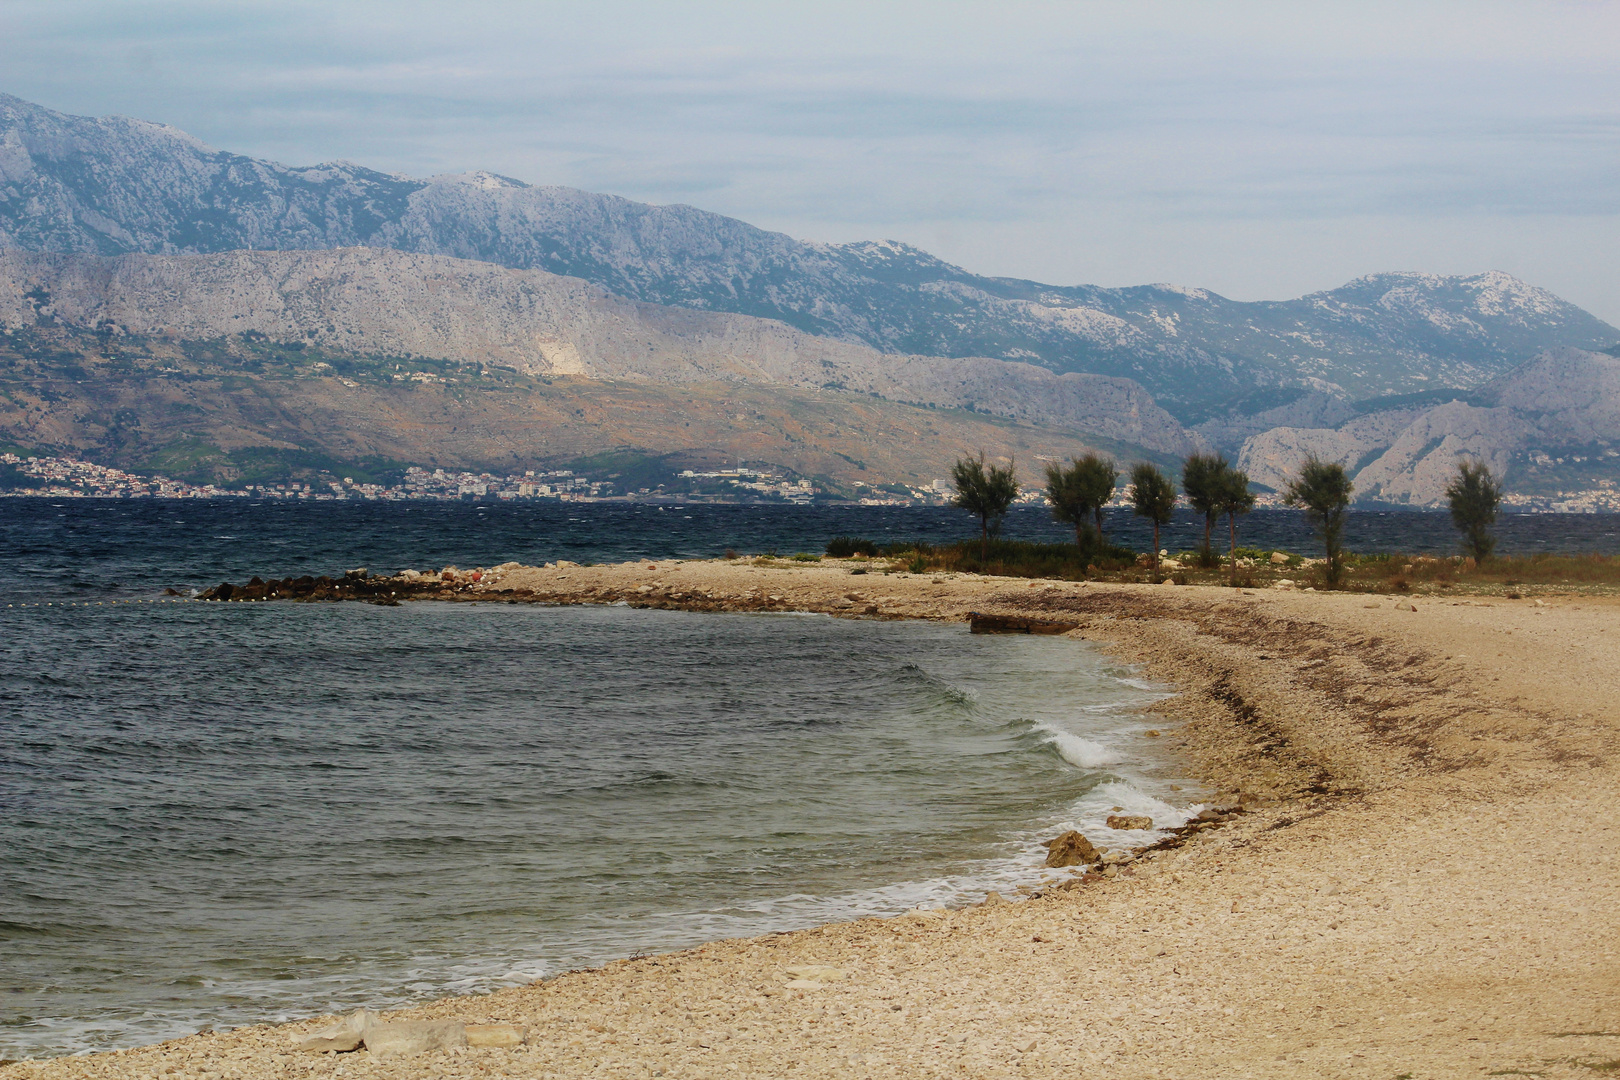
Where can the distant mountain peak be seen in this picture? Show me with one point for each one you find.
(480, 179)
(113, 186)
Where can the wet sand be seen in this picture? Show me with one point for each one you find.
(1427, 882)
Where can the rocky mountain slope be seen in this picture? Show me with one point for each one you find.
(1551, 424)
(379, 302)
(245, 408)
(114, 185)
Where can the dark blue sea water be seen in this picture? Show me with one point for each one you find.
(231, 813)
(92, 548)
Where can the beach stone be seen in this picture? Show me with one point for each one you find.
(1278, 558)
(1070, 849)
(407, 1038)
(817, 973)
(497, 1035)
(1283, 583)
(1129, 821)
(341, 1037)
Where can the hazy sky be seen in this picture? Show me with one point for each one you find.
(1262, 150)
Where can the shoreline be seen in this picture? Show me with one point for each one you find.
(1388, 764)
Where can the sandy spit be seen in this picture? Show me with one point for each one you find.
(1428, 884)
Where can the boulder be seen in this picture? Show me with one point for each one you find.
(1129, 821)
(345, 1035)
(1070, 849)
(407, 1038)
(1278, 558)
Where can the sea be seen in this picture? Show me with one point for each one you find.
(223, 814)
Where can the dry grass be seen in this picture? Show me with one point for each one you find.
(1416, 575)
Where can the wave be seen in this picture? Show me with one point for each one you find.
(1079, 752)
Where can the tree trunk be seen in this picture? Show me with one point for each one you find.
(1080, 535)
(1155, 543)
(1099, 526)
(984, 538)
(1231, 521)
(1209, 527)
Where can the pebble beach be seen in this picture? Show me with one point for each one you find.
(1418, 877)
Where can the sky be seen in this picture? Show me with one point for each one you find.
(1262, 150)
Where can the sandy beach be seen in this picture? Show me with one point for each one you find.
(1424, 882)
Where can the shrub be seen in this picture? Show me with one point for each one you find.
(843, 547)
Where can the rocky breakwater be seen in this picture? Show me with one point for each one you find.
(354, 585)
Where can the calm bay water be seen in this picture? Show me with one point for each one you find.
(236, 813)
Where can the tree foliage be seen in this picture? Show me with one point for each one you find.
(1322, 489)
(1235, 499)
(1203, 478)
(1153, 496)
(1475, 493)
(984, 491)
(1080, 490)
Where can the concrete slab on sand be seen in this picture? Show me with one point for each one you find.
(1430, 886)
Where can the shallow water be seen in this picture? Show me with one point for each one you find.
(236, 813)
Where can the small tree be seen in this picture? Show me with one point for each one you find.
(1203, 479)
(1068, 505)
(1322, 490)
(1096, 477)
(1236, 498)
(1079, 491)
(1475, 493)
(1153, 496)
(987, 492)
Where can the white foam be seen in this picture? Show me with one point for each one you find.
(1081, 753)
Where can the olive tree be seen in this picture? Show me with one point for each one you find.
(1474, 494)
(1153, 496)
(984, 491)
(1322, 489)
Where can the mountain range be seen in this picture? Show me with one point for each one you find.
(126, 225)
